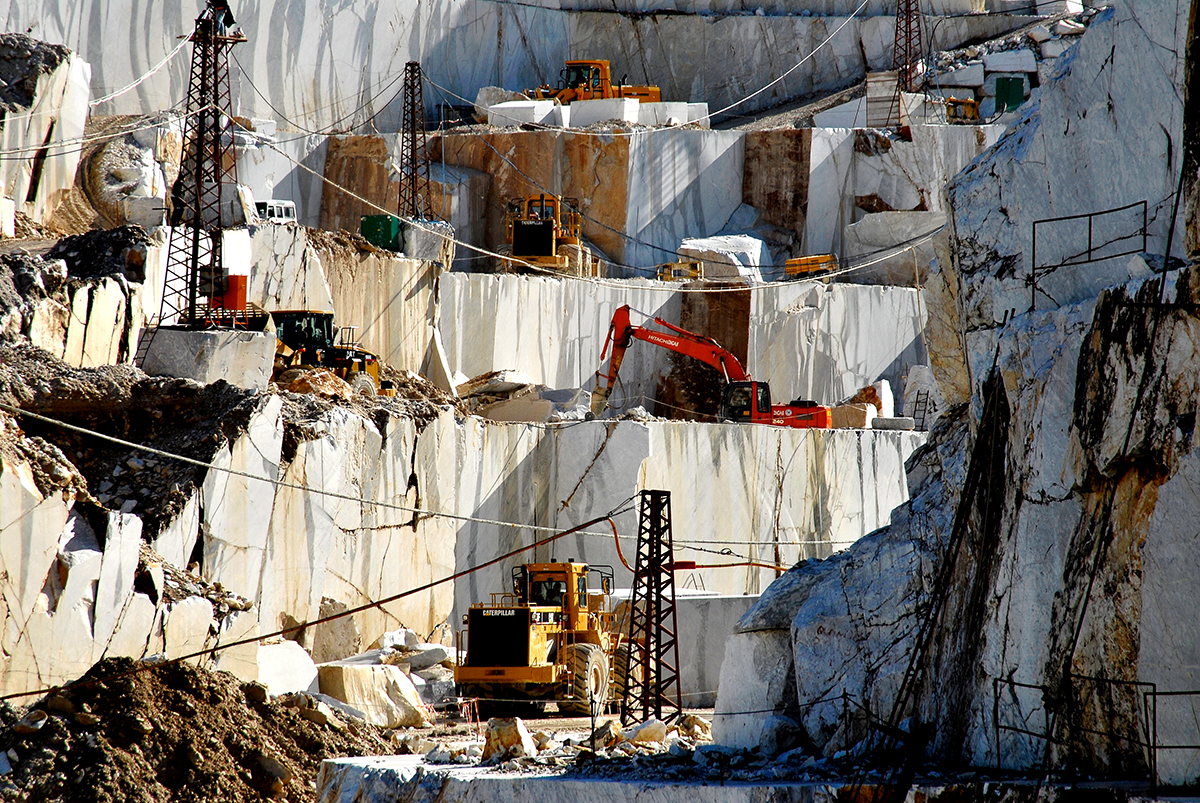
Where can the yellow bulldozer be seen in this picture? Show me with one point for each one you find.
(545, 231)
(591, 79)
(552, 638)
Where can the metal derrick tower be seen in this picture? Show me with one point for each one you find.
(205, 191)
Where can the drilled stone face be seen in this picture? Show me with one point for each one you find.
(775, 181)
(591, 169)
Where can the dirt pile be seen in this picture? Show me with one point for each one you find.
(113, 252)
(26, 228)
(175, 415)
(24, 282)
(22, 61)
(128, 731)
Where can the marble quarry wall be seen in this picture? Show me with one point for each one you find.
(271, 169)
(857, 172)
(349, 531)
(47, 91)
(324, 64)
(809, 340)
(98, 320)
(1074, 547)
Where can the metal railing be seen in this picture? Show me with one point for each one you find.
(1094, 251)
(1147, 739)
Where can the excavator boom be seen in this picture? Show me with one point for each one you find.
(622, 332)
(743, 399)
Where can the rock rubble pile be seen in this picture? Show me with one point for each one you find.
(133, 731)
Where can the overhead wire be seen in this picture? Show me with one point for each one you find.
(210, 651)
(139, 81)
(416, 511)
(68, 146)
(710, 115)
(332, 127)
(621, 283)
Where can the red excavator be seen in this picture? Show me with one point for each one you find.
(742, 400)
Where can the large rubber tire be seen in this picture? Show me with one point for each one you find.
(574, 255)
(621, 670)
(362, 383)
(589, 679)
(500, 265)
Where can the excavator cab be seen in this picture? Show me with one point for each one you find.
(746, 401)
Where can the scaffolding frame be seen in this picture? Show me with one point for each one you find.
(414, 153)
(652, 680)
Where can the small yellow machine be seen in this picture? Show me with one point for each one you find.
(552, 638)
(546, 231)
(962, 110)
(681, 271)
(810, 266)
(308, 339)
(591, 79)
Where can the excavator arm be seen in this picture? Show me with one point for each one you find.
(622, 332)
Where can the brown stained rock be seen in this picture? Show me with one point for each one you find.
(775, 177)
(58, 704)
(594, 170)
(322, 383)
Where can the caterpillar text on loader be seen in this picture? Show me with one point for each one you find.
(743, 400)
(552, 638)
(591, 79)
(308, 339)
(546, 231)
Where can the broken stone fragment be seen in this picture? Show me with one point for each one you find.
(696, 728)
(256, 692)
(652, 730)
(404, 638)
(322, 714)
(59, 704)
(507, 738)
(31, 722)
(606, 734)
(426, 655)
(277, 771)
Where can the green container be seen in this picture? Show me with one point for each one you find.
(1010, 93)
(381, 231)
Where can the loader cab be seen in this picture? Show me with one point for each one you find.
(587, 77)
(746, 401)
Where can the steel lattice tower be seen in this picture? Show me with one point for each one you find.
(194, 265)
(908, 52)
(652, 678)
(414, 161)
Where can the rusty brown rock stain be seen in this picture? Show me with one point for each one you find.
(594, 170)
(775, 177)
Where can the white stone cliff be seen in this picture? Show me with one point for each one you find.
(321, 62)
(1074, 547)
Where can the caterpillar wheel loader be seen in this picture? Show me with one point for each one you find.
(308, 339)
(552, 638)
(547, 232)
